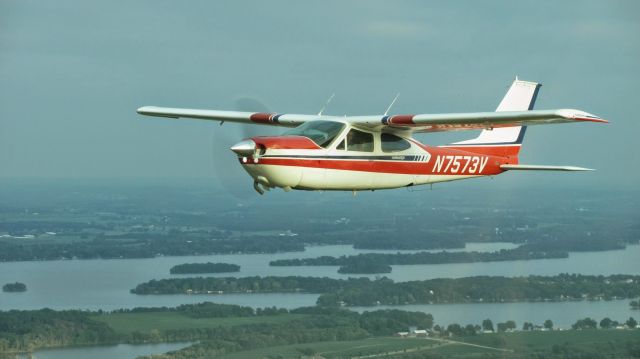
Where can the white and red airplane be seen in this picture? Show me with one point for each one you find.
(354, 153)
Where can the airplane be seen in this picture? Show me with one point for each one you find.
(356, 153)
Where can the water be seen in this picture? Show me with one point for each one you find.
(563, 314)
(121, 351)
(105, 284)
(592, 263)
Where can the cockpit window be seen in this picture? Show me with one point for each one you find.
(321, 132)
(359, 141)
(393, 143)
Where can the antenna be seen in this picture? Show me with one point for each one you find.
(325, 105)
(392, 102)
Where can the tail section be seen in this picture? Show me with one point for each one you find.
(505, 141)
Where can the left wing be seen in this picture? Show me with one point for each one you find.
(260, 118)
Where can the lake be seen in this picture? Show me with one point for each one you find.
(563, 314)
(105, 284)
(121, 351)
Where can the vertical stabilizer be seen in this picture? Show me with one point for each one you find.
(521, 96)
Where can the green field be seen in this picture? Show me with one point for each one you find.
(126, 323)
(344, 349)
(534, 340)
(504, 345)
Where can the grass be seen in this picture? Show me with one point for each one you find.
(385, 347)
(126, 323)
(518, 342)
(457, 350)
(547, 339)
(344, 349)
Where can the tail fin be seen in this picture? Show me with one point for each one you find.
(505, 141)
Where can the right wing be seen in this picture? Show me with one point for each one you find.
(485, 120)
(259, 118)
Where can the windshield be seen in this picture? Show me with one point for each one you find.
(321, 132)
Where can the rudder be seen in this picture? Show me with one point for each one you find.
(505, 141)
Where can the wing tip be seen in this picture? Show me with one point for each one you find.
(144, 110)
(591, 119)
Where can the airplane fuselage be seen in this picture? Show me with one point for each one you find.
(297, 162)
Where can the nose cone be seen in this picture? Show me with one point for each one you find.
(244, 147)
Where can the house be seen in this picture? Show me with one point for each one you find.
(420, 333)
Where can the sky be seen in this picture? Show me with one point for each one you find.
(73, 73)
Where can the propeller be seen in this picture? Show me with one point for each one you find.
(228, 171)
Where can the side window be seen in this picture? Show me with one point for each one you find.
(359, 141)
(393, 143)
(341, 145)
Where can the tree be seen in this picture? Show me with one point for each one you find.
(606, 323)
(548, 324)
(470, 329)
(527, 326)
(631, 323)
(455, 329)
(586, 323)
(502, 327)
(510, 324)
(487, 324)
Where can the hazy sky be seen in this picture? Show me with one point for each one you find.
(72, 74)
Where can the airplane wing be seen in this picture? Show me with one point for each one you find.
(260, 118)
(475, 120)
(414, 123)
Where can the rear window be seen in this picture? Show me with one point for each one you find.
(359, 141)
(393, 143)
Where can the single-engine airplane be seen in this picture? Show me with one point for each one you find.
(354, 153)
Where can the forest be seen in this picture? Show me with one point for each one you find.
(386, 259)
(147, 247)
(14, 287)
(22, 331)
(25, 330)
(195, 268)
(367, 292)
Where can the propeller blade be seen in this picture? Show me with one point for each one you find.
(228, 171)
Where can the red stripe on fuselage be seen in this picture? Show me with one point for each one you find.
(401, 167)
(502, 151)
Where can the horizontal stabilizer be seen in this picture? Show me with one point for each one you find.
(543, 168)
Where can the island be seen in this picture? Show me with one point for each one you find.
(367, 292)
(195, 268)
(14, 287)
(361, 260)
(365, 267)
